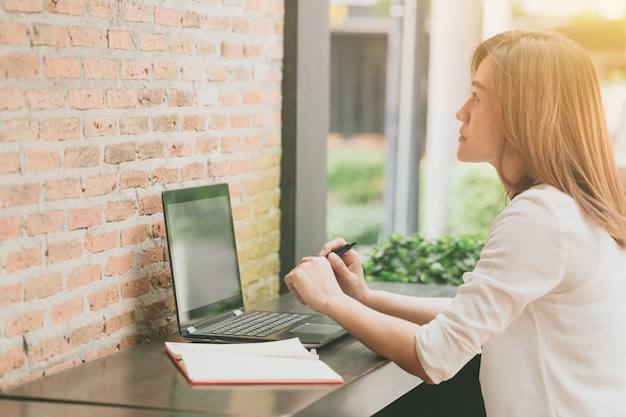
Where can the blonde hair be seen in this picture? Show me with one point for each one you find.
(552, 118)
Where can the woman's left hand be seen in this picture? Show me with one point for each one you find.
(313, 282)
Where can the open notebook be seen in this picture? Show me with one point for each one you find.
(205, 274)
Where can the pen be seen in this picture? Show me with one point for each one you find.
(344, 248)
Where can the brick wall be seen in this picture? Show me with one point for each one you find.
(103, 104)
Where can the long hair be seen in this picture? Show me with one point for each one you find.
(552, 117)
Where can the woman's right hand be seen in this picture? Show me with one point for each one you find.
(347, 269)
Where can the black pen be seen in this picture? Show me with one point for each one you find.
(344, 248)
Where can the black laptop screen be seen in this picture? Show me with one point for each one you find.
(203, 252)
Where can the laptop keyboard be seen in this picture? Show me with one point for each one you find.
(258, 323)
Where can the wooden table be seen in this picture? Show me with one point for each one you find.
(142, 380)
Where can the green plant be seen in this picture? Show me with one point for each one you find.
(419, 259)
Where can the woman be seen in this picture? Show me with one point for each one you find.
(546, 303)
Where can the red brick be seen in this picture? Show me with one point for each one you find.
(67, 310)
(191, 19)
(119, 39)
(19, 129)
(165, 71)
(42, 159)
(72, 7)
(231, 50)
(23, 323)
(9, 163)
(218, 73)
(61, 67)
(18, 195)
(150, 204)
(13, 33)
(100, 185)
(61, 366)
(135, 288)
(181, 148)
(165, 175)
(11, 98)
(165, 123)
(153, 255)
(45, 99)
(100, 69)
(134, 125)
(26, 6)
(218, 168)
(158, 230)
(62, 189)
(101, 353)
(86, 36)
(134, 235)
(120, 210)
(44, 286)
(183, 46)
(100, 126)
(10, 294)
(46, 349)
(13, 358)
(152, 311)
(118, 265)
(83, 275)
(49, 35)
(120, 152)
(103, 297)
(61, 129)
(152, 149)
(64, 251)
(19, 66)
(81, 157)
(122, 99)
(40, 223)
(239, 166)
(166, 17)
(231, 144)
(194, 72)
(101, 242)
(180, 98)
(209, 48)
(162, 279)
(219, 23)
(10, 227)
(252, 143)
(101, 8)
(86, 334)
(194, 122)
(206, 145)
(135, 70)
(154, 97)
(218, 122)
(133, 179)
(83, 218)
(240, 120)
(118, 322)
(151, 42)
(193, 171)
(138, 12)
(90, 98)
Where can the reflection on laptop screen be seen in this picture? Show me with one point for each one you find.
(204, 256)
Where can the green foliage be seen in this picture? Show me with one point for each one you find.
(359, 223)
(478, 196)
(355, 176)
(355, 183)
(419, 259)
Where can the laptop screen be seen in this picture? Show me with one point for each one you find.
(203, 252)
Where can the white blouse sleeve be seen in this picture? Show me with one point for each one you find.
(523, 259)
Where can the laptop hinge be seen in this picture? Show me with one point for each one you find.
(237, 312)
(190, 330)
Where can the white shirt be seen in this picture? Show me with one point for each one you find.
(546, 305)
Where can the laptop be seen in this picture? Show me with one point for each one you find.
(206, 279)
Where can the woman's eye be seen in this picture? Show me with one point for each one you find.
(474, 96)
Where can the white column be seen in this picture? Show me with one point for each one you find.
(454, 32)
(496, 17)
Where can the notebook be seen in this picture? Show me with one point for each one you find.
(206, 279)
